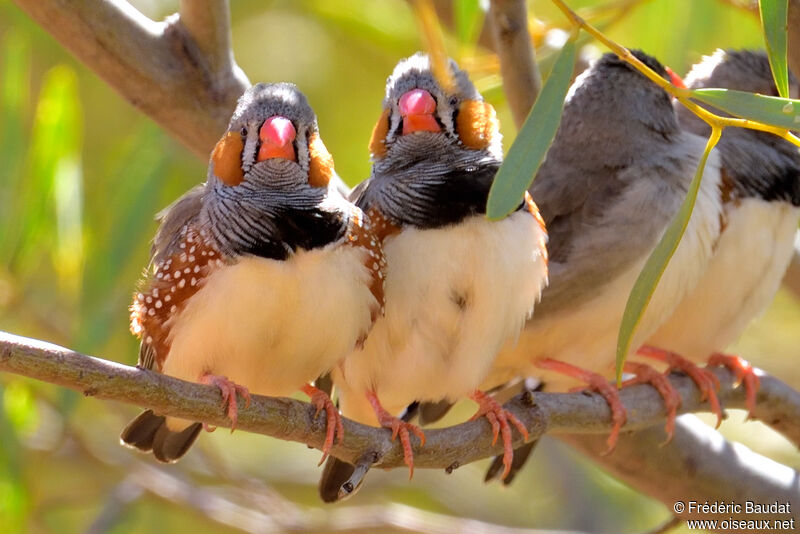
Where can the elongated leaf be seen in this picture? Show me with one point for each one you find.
(527, 153)
(13, 491)
(14, 103)
(654, 267)
(138, 171)
(774, 15)
(468, 14)
(68, 257)
(781, 112)
(52, 158)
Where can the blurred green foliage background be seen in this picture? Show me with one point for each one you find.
(83, 174)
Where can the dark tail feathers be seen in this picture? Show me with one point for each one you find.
(334, 484)
(521, 455)
(341, 480)
(431, 412)
(149, 432)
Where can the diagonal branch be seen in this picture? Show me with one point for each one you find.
(208, 23)
(181, 74)
(698, 453)
(521, 79)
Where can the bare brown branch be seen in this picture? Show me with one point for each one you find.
(793, 37)
(445, 448)
(207, 22)
(698, 454)
(521, 78)
(181, 75)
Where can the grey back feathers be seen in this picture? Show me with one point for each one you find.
(758, 164)
(172, 219)
(614, 176)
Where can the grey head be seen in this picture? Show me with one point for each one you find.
(757, 164)
(434, 127)
(259, 103)
(435, 149)
(616, 172)
(266, 192)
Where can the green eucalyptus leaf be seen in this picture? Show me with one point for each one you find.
(14, 104)
(52, 191)
(772, 110)
(468, 14)
(654, 267)
(528, 151)
(774, 15)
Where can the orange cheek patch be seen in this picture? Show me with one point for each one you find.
(476, 124)
(320, 168)
(377, 143)
(227, 158)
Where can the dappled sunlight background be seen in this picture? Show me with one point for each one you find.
(83, 174)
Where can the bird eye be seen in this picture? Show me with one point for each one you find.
(453, 101)
(243, 131)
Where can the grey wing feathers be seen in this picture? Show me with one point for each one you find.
(571, 202)
(586, 212)
(173, 218)
(147, 356)
(338, 185)
(166, 243)
(358, 191)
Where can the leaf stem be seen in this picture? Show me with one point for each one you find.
(682, 95)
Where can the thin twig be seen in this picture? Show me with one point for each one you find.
(126, 493)
(681, 94)
(521, 78)
(253, 506)
(220, 505)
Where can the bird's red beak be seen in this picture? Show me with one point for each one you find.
(277, 136)
(676, 80)
(417, 108)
